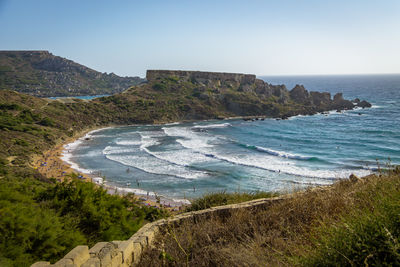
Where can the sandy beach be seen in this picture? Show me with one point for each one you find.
(52, 165)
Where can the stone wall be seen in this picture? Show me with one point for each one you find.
(200, 76)
(128, 252)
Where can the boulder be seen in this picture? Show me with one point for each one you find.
(299, 94)
(320, 98)
(263, 89)
(340, 103)
(364, 104)
(281, 92)
(338, 97)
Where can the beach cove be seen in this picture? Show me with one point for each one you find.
(244, 155)
(55, 164)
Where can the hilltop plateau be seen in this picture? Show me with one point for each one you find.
(193, 95)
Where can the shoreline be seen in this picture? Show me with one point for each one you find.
(54, 163)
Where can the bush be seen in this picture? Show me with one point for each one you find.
(21, 142)
(46, 122)
(159, 87)
(28, 231)
(98, 214)
(40, 221)
(173, 79)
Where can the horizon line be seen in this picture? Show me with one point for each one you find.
(331, 74)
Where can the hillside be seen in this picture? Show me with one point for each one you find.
(42, 219)
(40, 73)
(39, 217)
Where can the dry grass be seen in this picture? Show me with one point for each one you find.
(296, 231)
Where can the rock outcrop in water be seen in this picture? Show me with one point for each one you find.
(235, 91)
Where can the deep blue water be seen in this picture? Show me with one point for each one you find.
(187, 160)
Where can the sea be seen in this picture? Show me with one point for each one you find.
(84, 97)
(183, 161)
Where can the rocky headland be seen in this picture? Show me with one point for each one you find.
(245, 95)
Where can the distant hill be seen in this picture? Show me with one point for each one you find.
(40, 73)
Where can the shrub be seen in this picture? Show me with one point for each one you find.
(21, 142)
(43, 221)
(46, 122)
(98, 214)
(173, 78)
(159, 87)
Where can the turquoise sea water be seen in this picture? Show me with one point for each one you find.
(190, 159)
(84, 97)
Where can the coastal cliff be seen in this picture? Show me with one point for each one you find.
(237, 94)
(201, 76)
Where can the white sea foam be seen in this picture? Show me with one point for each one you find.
(376, 106)
(278, 153)
(174, 155)
(221, 125)
(162, 163)
(67, 156)
(101, 135)
(108, 150)
(128, 142)
(173, 123)
(98, 180)
(183, 157)
(156, 166)
(148, 141)
(285, 166)
(152, 195)
(269, 163)
(296, 117)
(189, 139)
(276, 161)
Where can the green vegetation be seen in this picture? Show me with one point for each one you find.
(159, 87)
(223, 198)
(368, 234)
(43, 221)
(352, 223)
(99, 215)
(42, 74)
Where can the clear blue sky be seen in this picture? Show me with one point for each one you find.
(261, 37)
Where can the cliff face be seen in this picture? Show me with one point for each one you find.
(201, 76)
(243, 94)
(40, 73)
